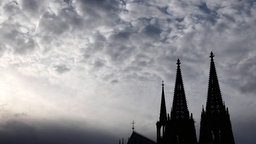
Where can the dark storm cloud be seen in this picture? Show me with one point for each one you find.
(19, 132)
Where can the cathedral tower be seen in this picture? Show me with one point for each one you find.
(179, 127)
(215, 120)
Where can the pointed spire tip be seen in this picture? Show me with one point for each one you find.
(178, 62)
(211, 55)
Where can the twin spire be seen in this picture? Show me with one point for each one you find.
(215, 125)
(179, 107)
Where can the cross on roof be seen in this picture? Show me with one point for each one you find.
(133, 123)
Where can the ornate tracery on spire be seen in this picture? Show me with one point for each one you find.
(214, 98)
(179, 107)
(215, 124)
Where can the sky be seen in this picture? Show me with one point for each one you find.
(80, 71)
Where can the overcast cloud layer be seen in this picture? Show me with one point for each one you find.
(97, 65)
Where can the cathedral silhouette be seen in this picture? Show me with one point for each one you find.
(178, 126)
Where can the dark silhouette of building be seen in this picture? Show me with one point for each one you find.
(137, 138)
(215, 120)
(178, 128)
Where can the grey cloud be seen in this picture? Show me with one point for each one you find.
(152, 31)
(97, 46)
(189, 35)
(66, 20)
(104, 5)
(33, 8)
(119, 54)
(114, 81)
(99, 12)
(31, 5)
(16, 32)
(61, 68)
(53, 24)
(99, 63)
(142, 60)
(11, 8)
(20, 42)
(245, 70)
(122, 35)
(205, 14)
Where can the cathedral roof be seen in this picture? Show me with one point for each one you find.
(137, 138)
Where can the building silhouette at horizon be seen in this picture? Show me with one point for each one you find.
(177, 127)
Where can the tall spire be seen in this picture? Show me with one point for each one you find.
(215, 124)
(179, 107)
(214, 99)
(163, 117)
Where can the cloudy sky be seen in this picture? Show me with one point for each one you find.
(80, 71)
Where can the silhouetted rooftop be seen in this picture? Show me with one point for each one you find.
(137, 138)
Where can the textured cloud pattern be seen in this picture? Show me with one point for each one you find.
(106, 47)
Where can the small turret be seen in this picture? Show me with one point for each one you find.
(163, 117)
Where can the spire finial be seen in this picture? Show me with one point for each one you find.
(162, 84)
(133, 123)
(178, 62)
(211, 55)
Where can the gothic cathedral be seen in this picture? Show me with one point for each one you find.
(178, 126)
